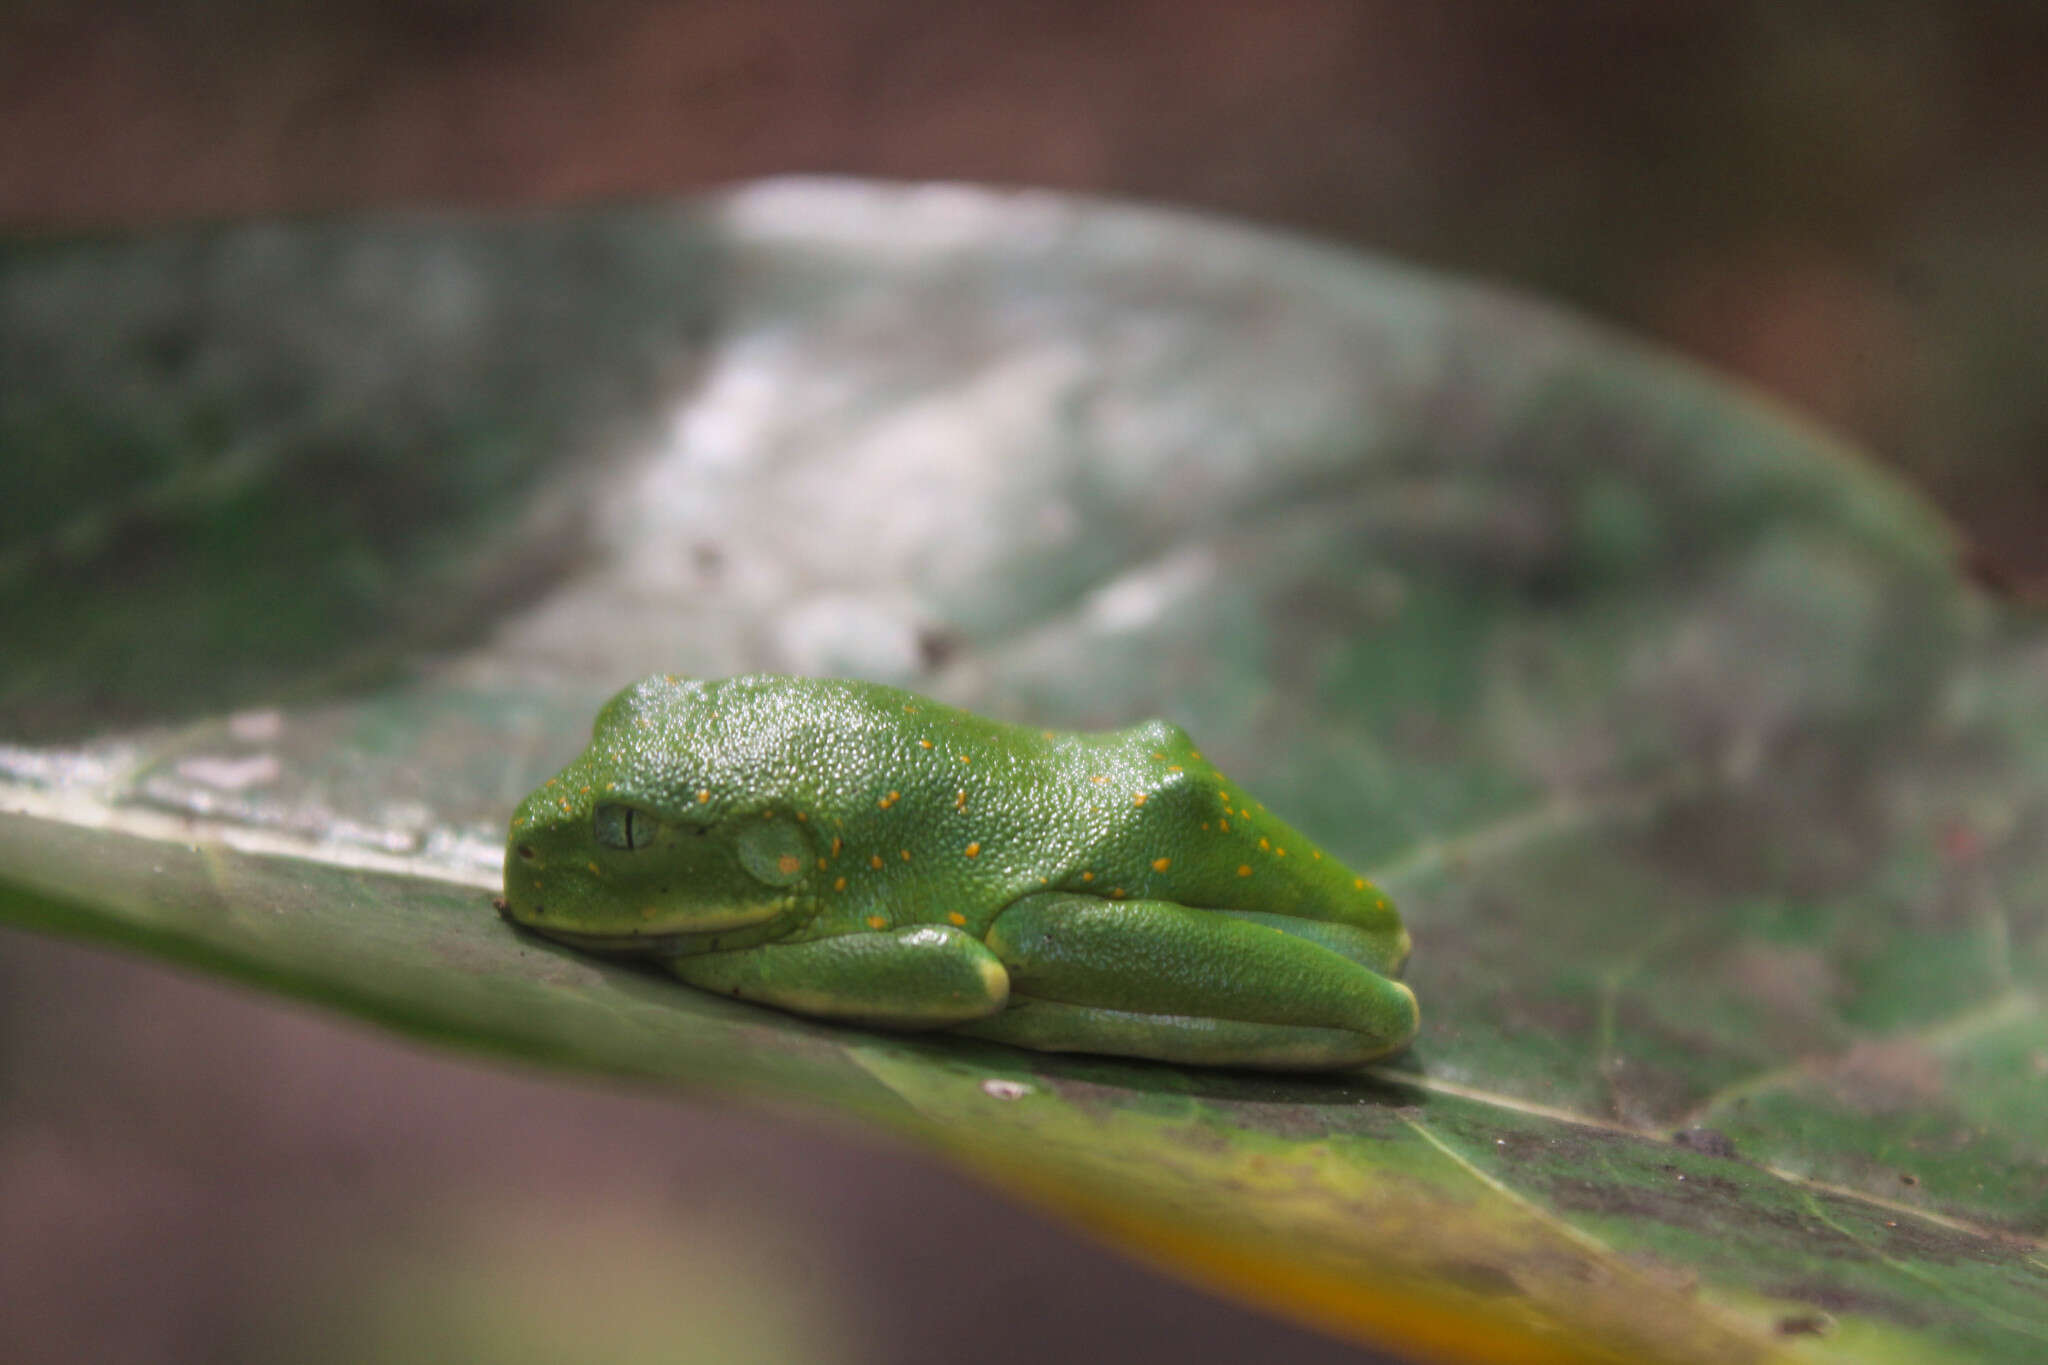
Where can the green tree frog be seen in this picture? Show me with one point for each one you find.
(855, 852)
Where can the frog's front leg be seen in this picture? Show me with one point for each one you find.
(1156, 979)
(926, 977)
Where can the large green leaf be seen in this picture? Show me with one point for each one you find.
(1715, 798)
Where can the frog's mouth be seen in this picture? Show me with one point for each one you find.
(651, 945)
(654, 942)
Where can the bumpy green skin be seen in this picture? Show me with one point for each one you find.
(857, 852)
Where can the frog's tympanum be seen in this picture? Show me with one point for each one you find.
(855, 852)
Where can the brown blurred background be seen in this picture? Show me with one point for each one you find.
(1846, 205)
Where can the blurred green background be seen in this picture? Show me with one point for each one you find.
(1847, 206)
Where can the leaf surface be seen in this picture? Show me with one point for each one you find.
(1714, 796)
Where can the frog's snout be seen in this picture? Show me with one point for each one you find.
(534, 865)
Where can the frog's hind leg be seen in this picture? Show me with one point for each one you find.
(1156, 979)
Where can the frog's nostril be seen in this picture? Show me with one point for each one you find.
(532, 910)
(526, 850)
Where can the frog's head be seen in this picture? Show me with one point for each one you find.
(663, 837)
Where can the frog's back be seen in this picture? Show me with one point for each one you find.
(1191, 835)
(930, 814)
(922, 813)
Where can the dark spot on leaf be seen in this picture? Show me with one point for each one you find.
(1838, 1299)
(935, 646)
(1995, 573)
(1709, 1141)
(525, 851)
(1474, 1277)
(1803, 1325)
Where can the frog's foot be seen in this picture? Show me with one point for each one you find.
(928, 977)
(1143, 978)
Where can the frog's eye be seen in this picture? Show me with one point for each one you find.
(623, 827)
